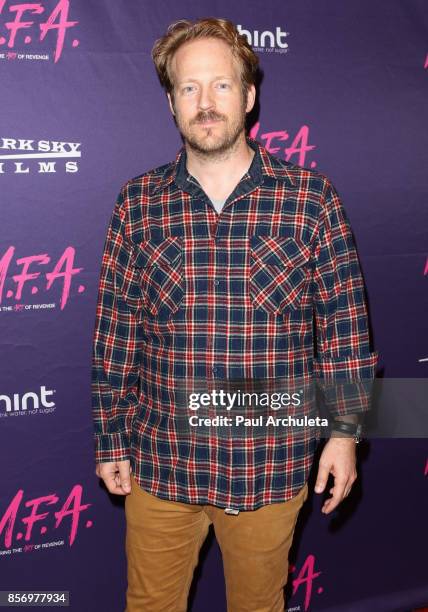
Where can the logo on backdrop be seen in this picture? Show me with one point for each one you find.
(297, 148)
(268, 41)
(305, 581)
(25, 522)
(48, 31)
(28, 403)
(23, 156)
(57, 279)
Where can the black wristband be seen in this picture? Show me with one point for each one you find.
(349, 428)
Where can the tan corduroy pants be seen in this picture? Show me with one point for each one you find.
(163, 540)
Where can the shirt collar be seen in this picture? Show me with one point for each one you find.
(263, 164)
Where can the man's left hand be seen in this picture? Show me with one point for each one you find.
(338, 458)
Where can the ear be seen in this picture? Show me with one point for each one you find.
(170, 103)
(251, 98)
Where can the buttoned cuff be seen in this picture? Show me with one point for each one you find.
(350, 367)
(346, 382)
(112, 447)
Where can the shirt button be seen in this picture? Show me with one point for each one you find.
(216, 282)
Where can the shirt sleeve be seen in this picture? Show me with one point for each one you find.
(117, 343)
(344, 366)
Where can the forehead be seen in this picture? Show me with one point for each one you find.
(199, 58)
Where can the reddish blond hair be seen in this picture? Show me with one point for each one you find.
(183, 31)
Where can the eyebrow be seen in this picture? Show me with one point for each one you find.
(215, 79)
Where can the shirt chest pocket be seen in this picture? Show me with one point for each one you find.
(159, 262)
(278, 272)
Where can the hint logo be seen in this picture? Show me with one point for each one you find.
(266, 41)
(20, 402)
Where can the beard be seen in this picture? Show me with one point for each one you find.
(213, 141)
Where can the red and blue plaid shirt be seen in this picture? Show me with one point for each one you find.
(186, 293)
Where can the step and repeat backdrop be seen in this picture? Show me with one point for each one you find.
(344, 92)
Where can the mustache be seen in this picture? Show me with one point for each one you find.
(207, 117)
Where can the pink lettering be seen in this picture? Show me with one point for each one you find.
(68, 258)
(73, 500)
(17, 24)
(306, 577)
(4, 265)
(64, 270)
(299, 145)
(8, 520)
(57, 22)
(72, 507)
(283, 135)
(22, 278)
(34, 517)
(62, 26)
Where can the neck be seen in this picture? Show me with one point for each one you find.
(229, 164)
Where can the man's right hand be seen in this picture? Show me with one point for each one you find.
(116, 476)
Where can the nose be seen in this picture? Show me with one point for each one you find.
(206, 100)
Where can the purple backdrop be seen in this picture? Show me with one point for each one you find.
(344, 91)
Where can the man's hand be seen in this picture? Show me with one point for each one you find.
(116, 476)
(338, 458)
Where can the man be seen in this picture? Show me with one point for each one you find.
(213, 267)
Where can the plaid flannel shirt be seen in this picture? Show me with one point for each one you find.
(187, 293)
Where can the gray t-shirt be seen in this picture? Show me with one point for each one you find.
(218, 204)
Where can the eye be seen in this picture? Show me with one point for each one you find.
(187, 88)
(224, 85)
